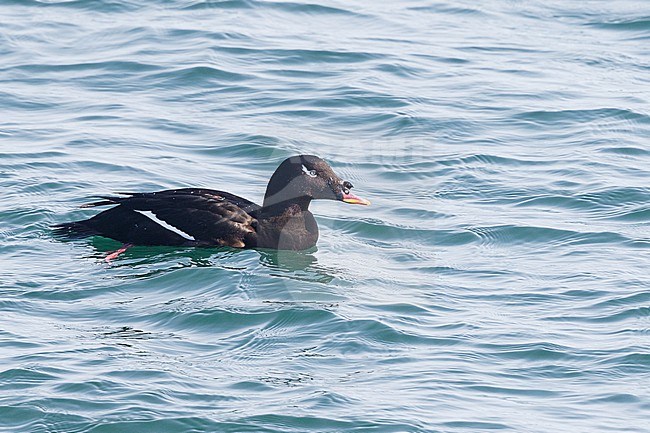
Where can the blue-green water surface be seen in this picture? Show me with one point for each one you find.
(498, 282)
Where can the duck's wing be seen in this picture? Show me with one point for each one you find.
(197, 217)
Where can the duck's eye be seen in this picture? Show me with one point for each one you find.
(310, 173)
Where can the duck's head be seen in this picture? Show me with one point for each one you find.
(300, 179)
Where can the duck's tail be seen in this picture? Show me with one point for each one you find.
(73, 230)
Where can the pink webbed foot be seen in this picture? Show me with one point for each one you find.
(117, 252)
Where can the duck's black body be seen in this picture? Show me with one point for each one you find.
(204, 217)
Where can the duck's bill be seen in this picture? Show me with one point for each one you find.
(353, 199)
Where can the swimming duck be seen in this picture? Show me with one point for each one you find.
(205, 218)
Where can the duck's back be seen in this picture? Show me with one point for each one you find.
(189, 216)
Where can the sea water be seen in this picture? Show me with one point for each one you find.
(498, 282)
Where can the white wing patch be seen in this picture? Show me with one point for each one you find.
(162, 223)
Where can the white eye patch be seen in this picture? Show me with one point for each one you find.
(310, 173)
